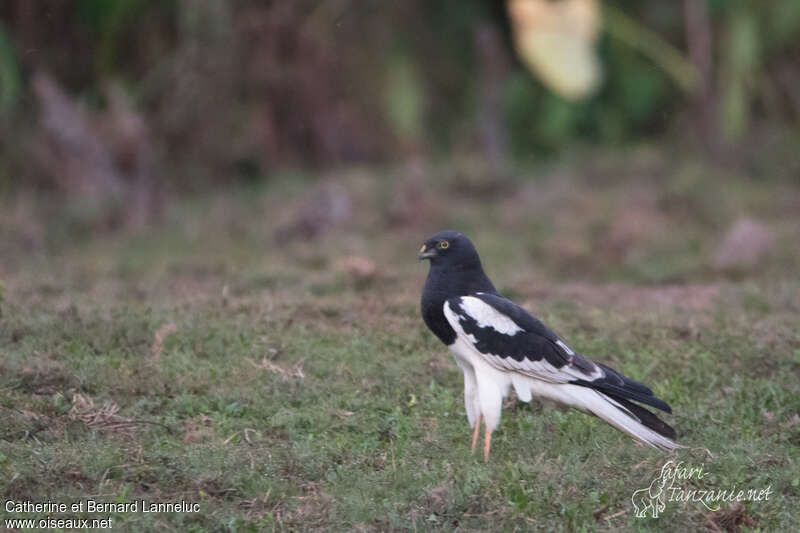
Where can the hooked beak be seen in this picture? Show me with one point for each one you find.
(426, 253)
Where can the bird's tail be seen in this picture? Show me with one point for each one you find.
(633, 419)
(621, 413)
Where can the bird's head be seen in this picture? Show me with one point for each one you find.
(449, 248)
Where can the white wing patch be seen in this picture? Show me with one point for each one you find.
(565, 347)
(487, 316)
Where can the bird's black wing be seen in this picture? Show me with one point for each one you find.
(509, 338)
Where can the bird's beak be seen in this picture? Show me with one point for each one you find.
(426, 253)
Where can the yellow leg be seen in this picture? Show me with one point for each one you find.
(487, 444)
(475, 434)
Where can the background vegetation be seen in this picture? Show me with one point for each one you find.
(220, 91)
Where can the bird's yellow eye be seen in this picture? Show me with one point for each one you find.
(444, 245)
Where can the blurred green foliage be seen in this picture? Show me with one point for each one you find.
(111, 22)
(287, 80)
(10, 78)
(404, 99)
(757, 37)
(649, 81)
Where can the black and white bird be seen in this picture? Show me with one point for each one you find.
(497, 344)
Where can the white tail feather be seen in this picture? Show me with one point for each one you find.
(600, 405)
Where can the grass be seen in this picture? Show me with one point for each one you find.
(283, 390)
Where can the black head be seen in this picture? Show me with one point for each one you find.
(455, 271)
(449, 249)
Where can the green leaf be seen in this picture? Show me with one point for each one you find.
(741, 55)
(404, 99)
(743, 45)
(10, 77)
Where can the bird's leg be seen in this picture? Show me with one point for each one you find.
(487, 444)
(475, 433)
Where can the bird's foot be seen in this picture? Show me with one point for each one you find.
(475, 433)
(487, 444)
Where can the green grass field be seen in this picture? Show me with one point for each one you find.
(293, 389)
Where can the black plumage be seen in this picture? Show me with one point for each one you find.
(458, 272)
(534, 342)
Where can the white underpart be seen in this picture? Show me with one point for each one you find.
(485, 386)
(470, 391)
